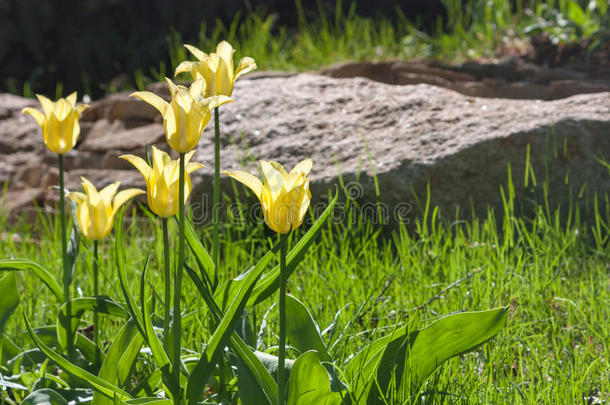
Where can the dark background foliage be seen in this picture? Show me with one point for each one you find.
(84, 43)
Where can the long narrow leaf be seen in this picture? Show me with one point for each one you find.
(95, 382)
(47, 278)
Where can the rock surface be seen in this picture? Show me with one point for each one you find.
(402, 136)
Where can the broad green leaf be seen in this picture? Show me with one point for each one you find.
(220, 338)
(576, 13)
(84, 346)
(44, 396)
(103, 305)
(98, 384)
(270, 282)
(252, 368)
(47, 278)
(413, 356)
(310, 383)
(151, 401)
(303, 334)
(9, 349)
(9, 298)
(119, 360)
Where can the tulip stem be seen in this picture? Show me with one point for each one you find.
(216, 197)
(178, 279)
(281, 382)
(96, 329)
(167, 284)
(66, 276)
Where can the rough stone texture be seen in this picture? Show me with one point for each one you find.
(415, 135)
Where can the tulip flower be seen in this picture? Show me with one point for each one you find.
(95, 210)
(59, 122)
(284, 196)
(186, 116)
(216, 68)
(162, 180)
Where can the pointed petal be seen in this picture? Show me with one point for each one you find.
(198, 53)
(274, 179)
(152, 99)
(172, 86)
(108, 192)
(197, 89)
(192, 166)
(38, 116)
(77, 197)
(72, 99)
(139, 164)
(246, 65)
(47, 105)
(123, 196)
(81, 107)
(252, 182)
(186, 66)
(226, 51)
(92, 194)
(278, 166)
(217, 101)
(303, 166)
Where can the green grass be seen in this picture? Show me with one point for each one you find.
(359, 279)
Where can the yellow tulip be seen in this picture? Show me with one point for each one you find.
(59, 122)
(284, 196)
(162, 180)
(95, 210)
(216, 68)
(186, 116)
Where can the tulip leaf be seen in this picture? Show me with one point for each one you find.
(98, 384)
(270, 282)
(49, 334)
(310, 383)
(204, 260)
(120, 358)
(44, 396)
(24, 264)
(9, 299)
(304, 335)
(251, 391)
(120, 264)
(103, 305)
(250, 366)
(224, 330)
(413, 356)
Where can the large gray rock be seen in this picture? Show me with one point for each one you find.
(396, 139)
(409, 136)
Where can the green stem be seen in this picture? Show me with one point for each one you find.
(216, 197)
(167, 280)
(178, 280)
(281, 383)
(66, 276)
(96, 329)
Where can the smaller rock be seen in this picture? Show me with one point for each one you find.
(17, 200)
(120, 106)
(11, 105)
(130, 140)
(36, 175)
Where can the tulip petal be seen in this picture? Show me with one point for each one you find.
(226, 51)
(152, 99)
(139, 164)
(192, 166)
(274, 179)
(123, 196)
(197, 89)
(250, 181)
(303, 166)
(246, 65)
(173, 89)
(278, 166)
(81, 107)
(217, 101)
(198, 53)
(185, 66)
(38, 116)
(72, 99)
(77, 197)
(108, 192)
(92, 194)
(47, 105)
